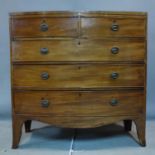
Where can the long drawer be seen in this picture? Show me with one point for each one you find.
(79, 50)
(44, 27)
(79, 103)
(78, 76)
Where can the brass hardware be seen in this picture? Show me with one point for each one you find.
(80, 94)
(115, 27)
(114, 102)
(44, 50)
(44, 75)
(79, 67)
(44, 27)
(114, 75)
(114, 50)
(44, 103)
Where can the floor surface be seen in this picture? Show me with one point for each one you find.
(47, 140)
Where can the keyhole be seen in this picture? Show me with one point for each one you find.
(44, 21)
(79, 43)
(80, 94)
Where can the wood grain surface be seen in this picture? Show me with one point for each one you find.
(63, 70)
(78, 50)
(78, 76)
(79, 103)
(31, 27)
(101, 27)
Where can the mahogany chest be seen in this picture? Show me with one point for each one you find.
(78, 69)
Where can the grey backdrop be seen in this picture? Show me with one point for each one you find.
(7, 6)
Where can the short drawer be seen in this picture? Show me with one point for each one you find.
(112, 27)
(44, 27)
(79, 50)
(78, 76)
(79, 103)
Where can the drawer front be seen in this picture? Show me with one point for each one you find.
(79, 103)
(112, 27)
(44, 27)
(78, 76)
(71, 50)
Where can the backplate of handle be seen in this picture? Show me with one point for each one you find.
(44, 75)
(44, 103)
(114, 102)
(114, 75)
(44, 50)
(44, 27)
(115, 27)
(115, 50)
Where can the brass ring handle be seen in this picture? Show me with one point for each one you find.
(44, 27)
(115, 27)
(44, 50)
(115, 50)
(114, 102)
(114, 75)
(44, 75)
(44, 103)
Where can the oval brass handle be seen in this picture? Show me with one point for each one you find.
(114, 102)
(44, 50)
(114, 75)
(44, 27)
(114, 50)
(44, 75)
(115, 27)
(44, 103)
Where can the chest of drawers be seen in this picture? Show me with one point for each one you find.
(78, 70)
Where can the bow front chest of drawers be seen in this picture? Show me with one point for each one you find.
(78, 70)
